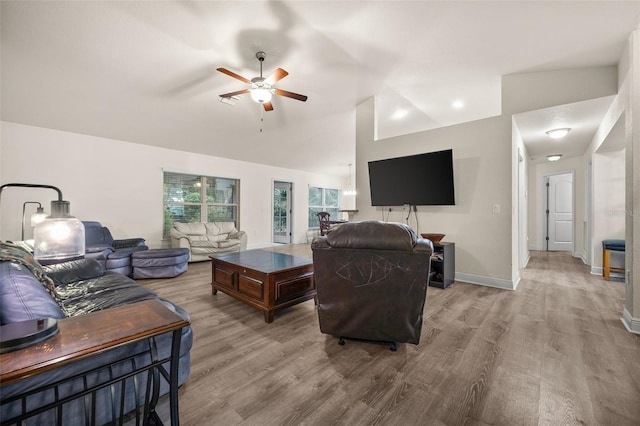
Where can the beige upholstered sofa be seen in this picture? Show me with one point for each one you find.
(204, 239)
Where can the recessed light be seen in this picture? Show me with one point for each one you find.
(457, 104)
(399, 114)
(558, 133)
(554, 157)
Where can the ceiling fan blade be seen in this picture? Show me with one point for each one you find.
(230, 94)
(268, 106)
(290, 95)
(234, 75)
(276, 76)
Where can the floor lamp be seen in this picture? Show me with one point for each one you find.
(60, 236)
(36, 218)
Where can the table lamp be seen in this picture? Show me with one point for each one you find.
(60, 236)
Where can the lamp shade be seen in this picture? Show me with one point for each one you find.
(60, 236)
(261, 95)
(38, 216)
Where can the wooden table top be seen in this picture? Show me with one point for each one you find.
(86, 335)
(263, 260)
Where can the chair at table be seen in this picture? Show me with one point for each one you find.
(371, 281)
(324, 219)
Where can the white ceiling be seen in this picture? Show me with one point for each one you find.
(582, 118)
(145, 71)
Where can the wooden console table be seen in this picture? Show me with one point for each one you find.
(87, 335)
(266, 280)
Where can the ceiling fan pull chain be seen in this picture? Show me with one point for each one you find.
(261, 114)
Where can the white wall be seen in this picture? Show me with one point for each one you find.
(608, 202)
(606, 152)
(485, 167)
(119, 183)
(631, 313)
(482, 174)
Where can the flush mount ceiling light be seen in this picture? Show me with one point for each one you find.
(554, 157)
(558, 133)
(457, 104)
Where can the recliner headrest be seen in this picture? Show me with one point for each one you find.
(372, 235)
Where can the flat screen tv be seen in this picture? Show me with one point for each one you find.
(417, 180)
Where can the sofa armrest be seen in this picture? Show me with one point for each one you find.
(182, 242)
(179, 240)
(242, 236)
(129, 242)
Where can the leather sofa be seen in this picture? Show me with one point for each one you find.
(82, 287)
(207, 238)
(371, 280)
(114, 255)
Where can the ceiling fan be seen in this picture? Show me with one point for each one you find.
(261, 88)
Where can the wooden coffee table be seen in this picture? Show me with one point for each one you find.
(266, 280)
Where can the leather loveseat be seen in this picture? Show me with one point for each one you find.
(207, 238)
(82, 287)
(371, 280)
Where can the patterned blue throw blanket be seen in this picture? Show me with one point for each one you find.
(14, 253)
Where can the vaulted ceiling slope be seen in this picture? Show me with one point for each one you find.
(145, 72)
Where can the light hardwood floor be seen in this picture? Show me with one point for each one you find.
(553, 352)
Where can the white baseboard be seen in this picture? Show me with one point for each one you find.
(486, 281)
(535, 248)
(630, 323)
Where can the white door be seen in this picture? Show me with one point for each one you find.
(560, 212)
(282, 212)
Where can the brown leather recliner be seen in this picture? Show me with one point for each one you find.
(371, 279)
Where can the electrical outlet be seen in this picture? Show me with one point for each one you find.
(495, 208)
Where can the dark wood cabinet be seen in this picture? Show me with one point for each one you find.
(443, 265)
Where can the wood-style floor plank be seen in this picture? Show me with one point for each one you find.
(553, 352)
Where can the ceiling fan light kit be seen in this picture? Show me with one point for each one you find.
(261, 95)
(260, 88)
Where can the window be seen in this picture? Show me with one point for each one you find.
(323, 200)
(191, 198)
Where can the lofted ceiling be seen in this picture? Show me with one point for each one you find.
(145, 71)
